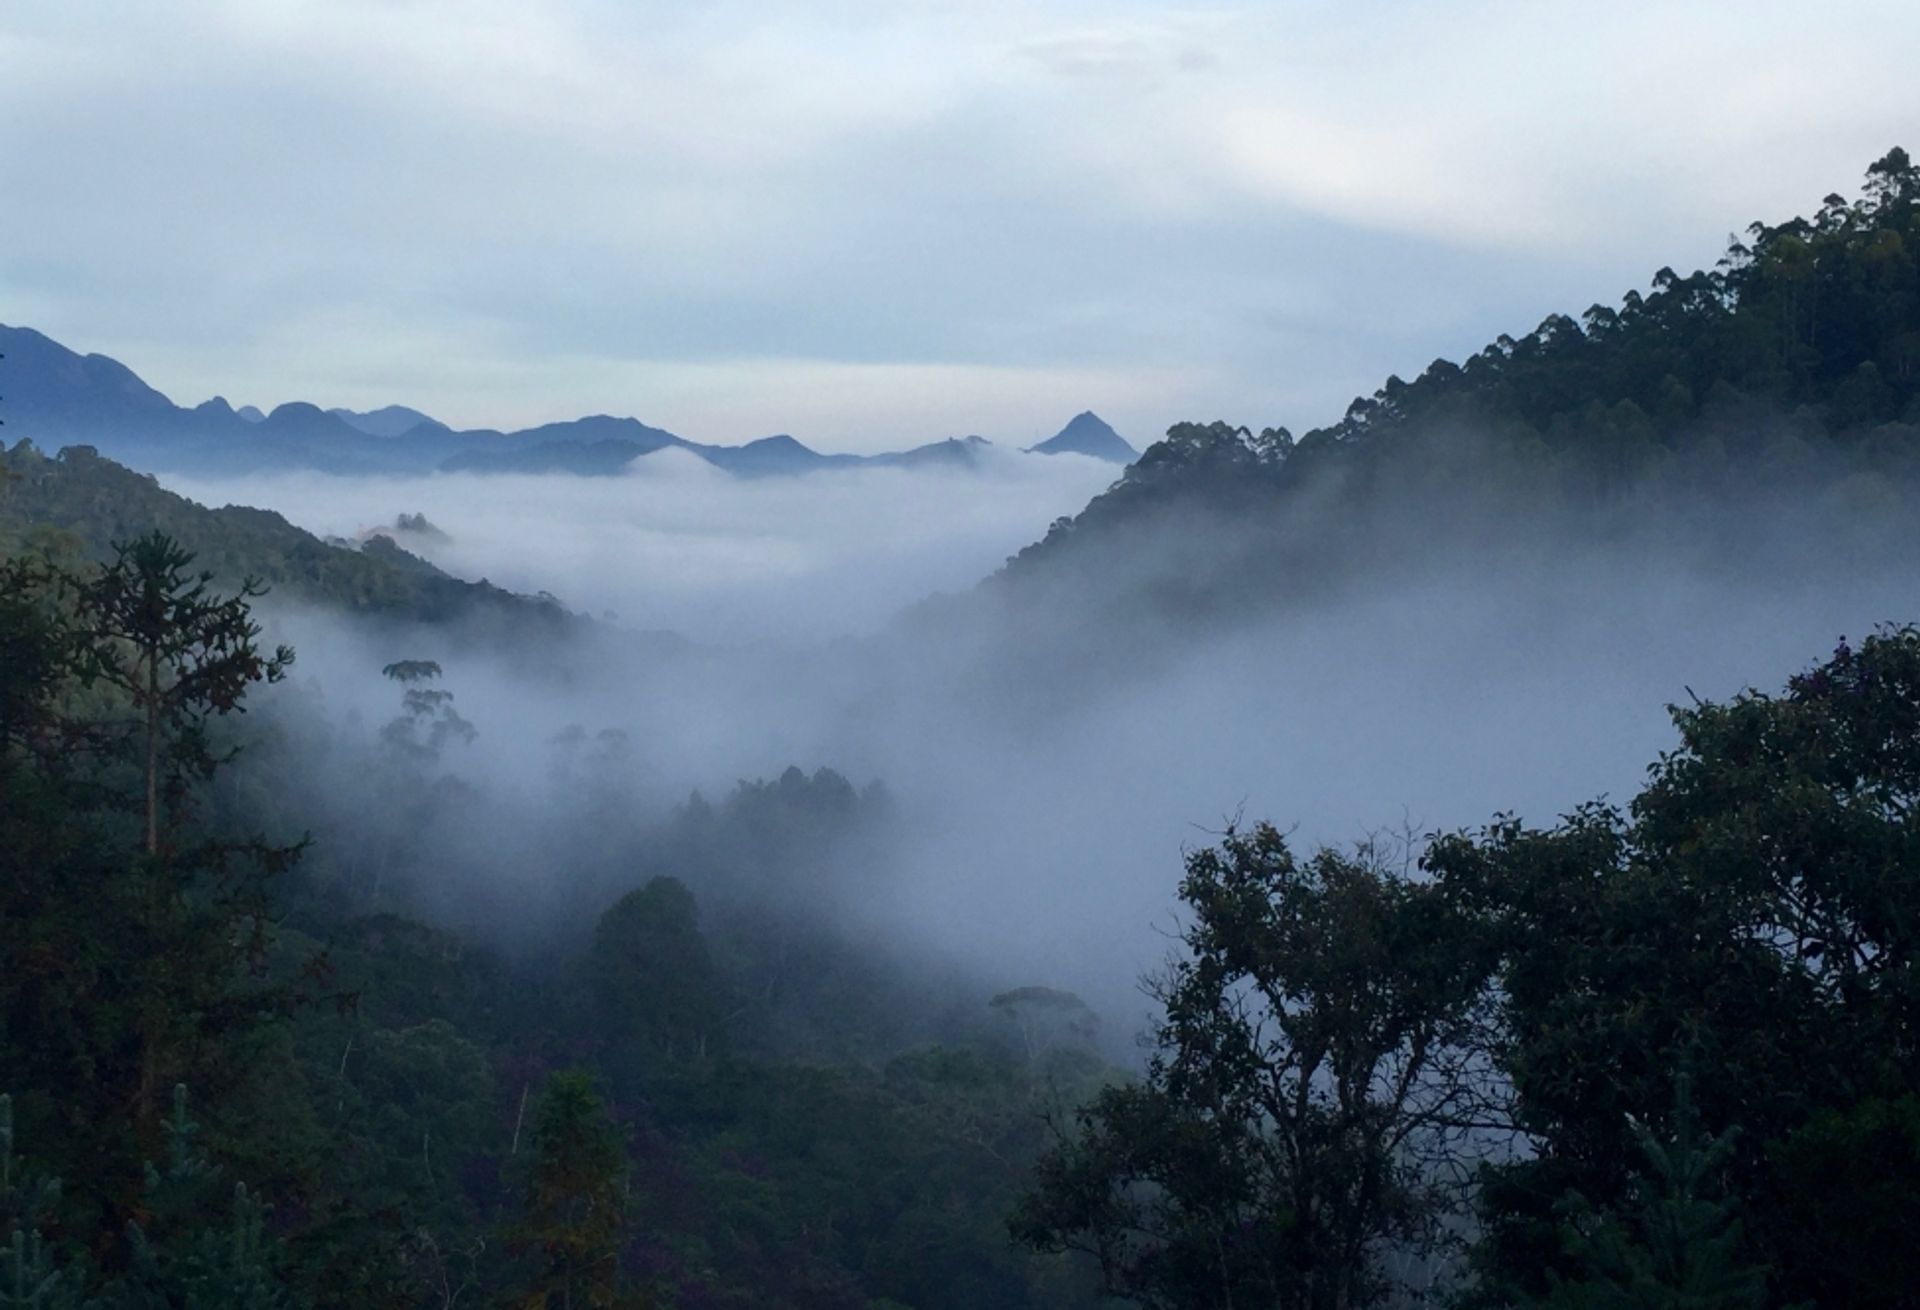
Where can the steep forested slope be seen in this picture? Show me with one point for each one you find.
(1784, 381)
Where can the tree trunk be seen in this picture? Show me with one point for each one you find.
(153, 752)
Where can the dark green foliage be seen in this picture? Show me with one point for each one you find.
(760, 1113)
(653, 979)
(32, 1276)
(575, 1196)
(130, 961)
(193, 1259)
(1783, 385)
(85, 503)
(1677, 1244)
(378, 1080)
(834, 1186)
(1753, 916)
(197, 1245)
(1339, 1034)
(1313, 1076)
(41, 650)
(1846, 1187)
(178, 653)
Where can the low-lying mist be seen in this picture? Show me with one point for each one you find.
(1034, 796)
(677, 544)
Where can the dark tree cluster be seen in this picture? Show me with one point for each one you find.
(245, 1074)
(1663, 1055)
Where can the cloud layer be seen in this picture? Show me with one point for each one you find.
(678, 544)
(1047, 762)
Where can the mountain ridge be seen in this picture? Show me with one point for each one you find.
(60, 397)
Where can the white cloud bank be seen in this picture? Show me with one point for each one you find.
(678, 544)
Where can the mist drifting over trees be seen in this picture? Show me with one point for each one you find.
(1464, 853)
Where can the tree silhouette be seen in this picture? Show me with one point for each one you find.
(180, 653)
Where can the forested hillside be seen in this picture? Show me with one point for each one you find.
(78, 504)
(1775, 394)
(1660, 1054)
(246, 1069)
(1652, 1053)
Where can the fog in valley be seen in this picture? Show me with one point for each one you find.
(580, 727)
(677, 544)
(1039, 768)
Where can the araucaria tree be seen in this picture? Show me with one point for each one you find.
(128, 662)
(1298, 1132)
(179, 653)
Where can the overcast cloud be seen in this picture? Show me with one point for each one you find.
(871, 225)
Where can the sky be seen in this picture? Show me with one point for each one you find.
(871, 225)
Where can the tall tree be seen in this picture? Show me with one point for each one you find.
(652, 974)
(575, 1200)
(1754, 915)
(179, 652)
(427, 719)
(1315, 1078)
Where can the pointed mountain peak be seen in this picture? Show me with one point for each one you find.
(1086, 433)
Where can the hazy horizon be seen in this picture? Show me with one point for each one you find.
(873, 227)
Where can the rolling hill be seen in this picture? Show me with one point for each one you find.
(79, 503)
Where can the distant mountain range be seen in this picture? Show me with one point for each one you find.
(59, 397)
(392, 421)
